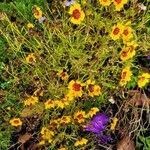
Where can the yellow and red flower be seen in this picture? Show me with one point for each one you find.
(77, 15)
(81, 142)
(30, 26)
(63, 75)
(63, 102)
(30, 59)
(49, 104)
(65, 120)
(31, 101)
(15, 122)
(119, 4)
(92, 112)
(37, 12)
(105, 2)
(143, 79)
(125, 76)
(47, 134)
(93, 90)
(127, 34)
(116, 31)
(79, 116)
(75, 88)
(128, 51)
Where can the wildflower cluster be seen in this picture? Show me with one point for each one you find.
(65, 64)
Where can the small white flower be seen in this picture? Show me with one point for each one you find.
(69, 2)
(142, 6)
(111, 100)
(42, 19)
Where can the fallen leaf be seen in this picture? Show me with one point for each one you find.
(24, 138)
(126, 144)
(140, 99)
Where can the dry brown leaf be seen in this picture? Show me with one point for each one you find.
(139, 99)
(126, 144)
(24, 138)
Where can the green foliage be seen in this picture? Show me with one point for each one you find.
(4, 139)
(143, 143)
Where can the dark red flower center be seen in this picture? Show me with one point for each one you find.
(118, 1)
(80, 116)
(50, 102)
(76, 87)
(76, 14)
(142, 78)
(116, 31)
(31, 59)
(63, 74)
(125, 53)
(126, 32)
(124, 74)
(91, 88)
(16, 121)
(36, 12)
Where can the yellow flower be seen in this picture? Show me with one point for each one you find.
(125, 76)
(127, 34)
(128, 51)
(65, 120)
(75, 88)
(63, 75)
(31, 101)
(116, 31)
(105, 2)
(30, 58)
(88, 82)
(92, 111)
(49, 104)
(81, 142)
(77, 15)
(15, 122)
(93, 90)
(62, 103)
(30, 26)
(143, 79)
(132, 44)
(37, 12)
(125, 54)
(70, 96)
(80, 116)
(114, 123)
(47, 134)
(119, 4)
(42, 142)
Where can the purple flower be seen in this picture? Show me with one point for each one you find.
(105, 138)
(69, 2)
(97, 124)
(148, 57)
